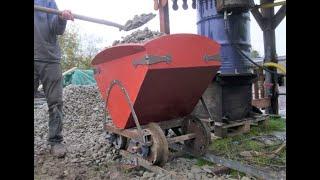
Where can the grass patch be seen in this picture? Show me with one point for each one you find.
(235, 173)
(251, 145)
(201, 162)
(278, 124)
(187, 156)
(274, 124)
(37, 177)
(231, 147)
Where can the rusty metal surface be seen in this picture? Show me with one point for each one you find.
(157, 141)
(170, 124)
(129, 133)
(159, 151)
(199, 145)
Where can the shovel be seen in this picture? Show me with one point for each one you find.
(94, 20)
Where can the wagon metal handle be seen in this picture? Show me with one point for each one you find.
(133, 112)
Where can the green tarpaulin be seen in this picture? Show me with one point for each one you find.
(79, 77)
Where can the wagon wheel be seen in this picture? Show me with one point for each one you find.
(200, 143)
(118, 141)
(159, 150)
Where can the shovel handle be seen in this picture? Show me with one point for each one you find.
(77, 16)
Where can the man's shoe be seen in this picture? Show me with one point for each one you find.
(58, 150)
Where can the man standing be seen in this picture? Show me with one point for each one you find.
(47, 68)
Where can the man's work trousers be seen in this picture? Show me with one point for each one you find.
(50, 76)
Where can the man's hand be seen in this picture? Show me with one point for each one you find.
(66, 15)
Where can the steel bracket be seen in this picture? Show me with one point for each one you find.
(152, 59)
(212, 57)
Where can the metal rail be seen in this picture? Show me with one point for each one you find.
(248, 169)
(156, 169)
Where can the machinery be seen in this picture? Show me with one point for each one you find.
(228, 23)
(230, 93)
(150, 91)
(233, 5)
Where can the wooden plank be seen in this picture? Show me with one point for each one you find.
(258, 17)
(245, 128)
(181, 138)
(261, 103)
(214, 137)
(279, 16)
(164, 18)
(238, 126)
(233, 125)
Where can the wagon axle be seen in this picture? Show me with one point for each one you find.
(195, 135)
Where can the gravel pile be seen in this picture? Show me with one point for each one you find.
(83, 103)
(139, 36)
(82, 129)
(83, 115)
(138, 20)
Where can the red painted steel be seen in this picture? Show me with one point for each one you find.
(160, 91)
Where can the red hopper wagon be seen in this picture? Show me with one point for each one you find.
(152, 88)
